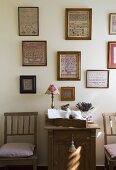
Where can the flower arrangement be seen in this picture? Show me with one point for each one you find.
(84, 107)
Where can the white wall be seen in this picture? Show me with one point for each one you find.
(51, 25)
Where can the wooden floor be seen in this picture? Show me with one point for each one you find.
(38, 168)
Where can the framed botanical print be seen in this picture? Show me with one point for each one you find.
(68, 65)
(34, 53)
(78, 23)
(112, 55)
(67, 93)
(28, 21)
(27, 84)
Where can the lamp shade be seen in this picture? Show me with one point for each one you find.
(52, 89)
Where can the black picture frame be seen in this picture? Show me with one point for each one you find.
(27, 84)
(97, 78)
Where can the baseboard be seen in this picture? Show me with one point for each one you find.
(40, 168)
(99, 167)
(20, 167)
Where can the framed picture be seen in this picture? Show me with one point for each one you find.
(112, 55)
(97, 78)
(67, 93)
(27, 84)
(28, 21)
(112, 23)
(34, 53)
(68, 65)
(78, 24)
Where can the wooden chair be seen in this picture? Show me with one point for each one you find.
(109, 124)
(19, 128)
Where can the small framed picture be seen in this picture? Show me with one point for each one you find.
(97, 78)
(112, 23)
(78, 23)
(34, 53)
(67, 93)
(112, 55)
(27, 84)
(28, 21)
(68, 65)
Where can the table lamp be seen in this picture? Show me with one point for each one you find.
(52, 90)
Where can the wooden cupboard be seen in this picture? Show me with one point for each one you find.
(59, 142)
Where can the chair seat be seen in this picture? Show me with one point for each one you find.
(111, 149)
(16, 150)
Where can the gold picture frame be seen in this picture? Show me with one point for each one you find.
(34, 53)
(112, 23)
(69, 65)
(67, 93)
(28, 21)
(111, 64)
(78, 23)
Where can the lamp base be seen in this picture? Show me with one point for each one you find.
(52, 105)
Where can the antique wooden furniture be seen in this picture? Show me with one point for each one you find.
(109, 124)
(19, 128)
(82, 141)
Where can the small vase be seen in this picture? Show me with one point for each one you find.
(87, 115)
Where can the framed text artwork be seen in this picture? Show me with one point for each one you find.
(28, 21)
(112, 23)
(97, 78)
(67, 93)
(34, 53)
(27, 84)
(78, 23)
(68, 65)
(112, 55)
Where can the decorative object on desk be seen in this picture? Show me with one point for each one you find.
(85, 109)
(65, 107)
(52, 90)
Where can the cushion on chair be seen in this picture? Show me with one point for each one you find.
(111, 149)
(16, 150)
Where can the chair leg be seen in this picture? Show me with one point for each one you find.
(34, 166)
(106, 167)
(111, 167)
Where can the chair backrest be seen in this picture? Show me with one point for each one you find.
(109, 123)
(20, 127)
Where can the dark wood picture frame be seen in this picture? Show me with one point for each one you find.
(111, 55)
(34, 53)
(67, 93)
(97, 78)
(69, 65)
(28, 21)
(112, 23)
(27, 84)
(78, 23)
